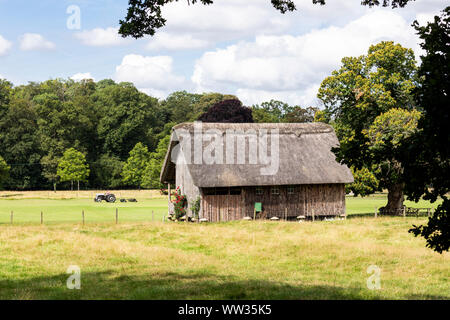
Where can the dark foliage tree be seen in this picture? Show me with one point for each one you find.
(427, 154)
(20, 146)
(144, 16)
(229, 111)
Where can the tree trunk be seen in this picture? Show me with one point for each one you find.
(54, 187)
(71, 184)
(395, 200)
(78, 185)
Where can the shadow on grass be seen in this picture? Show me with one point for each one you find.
(109, 285)
(11, 195)
(360, 215)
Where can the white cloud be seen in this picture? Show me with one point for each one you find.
(153, 75)
(291, 67)
(5, 45)
(169, 41)
(82, 76)
(100, 37)
(35, 41)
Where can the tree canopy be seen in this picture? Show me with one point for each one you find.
(4, 171)
(134, 168)
(230, 110)
(144, 16)
(363, 99)
(426, 154)
(73, 167)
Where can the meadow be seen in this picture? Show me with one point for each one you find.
(143, 259)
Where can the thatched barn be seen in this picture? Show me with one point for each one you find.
(260, 170)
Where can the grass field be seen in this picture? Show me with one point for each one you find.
(66, 206)
(139, 259)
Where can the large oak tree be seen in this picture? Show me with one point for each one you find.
(360, 99)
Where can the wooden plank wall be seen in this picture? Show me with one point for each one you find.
(322, 199)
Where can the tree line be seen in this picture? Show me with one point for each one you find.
(101, 134)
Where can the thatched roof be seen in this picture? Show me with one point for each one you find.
(305, 157)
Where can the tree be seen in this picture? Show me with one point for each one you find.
(144, 16)
(152, 172)
(365, 182)
(128, 117)
(49, 165)
(108, 171)
(230, 111)
(73, 167)
(386, 135)
(299, 114)
(4, 171)
(363, 89)
(134, 169)
(275, 111)
(272, 111)
(427, 153)
(20, 145)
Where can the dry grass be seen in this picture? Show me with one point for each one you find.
(238, 260)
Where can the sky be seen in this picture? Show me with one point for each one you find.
(240, 47)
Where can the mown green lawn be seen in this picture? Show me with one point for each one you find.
(359, 205)
(69, 210)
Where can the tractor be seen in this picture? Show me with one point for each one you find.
(108, 197)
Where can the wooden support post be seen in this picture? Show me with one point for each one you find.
(313, 218)
(42, 217)
(12, 215)
(164, 218)
(82, 214)
(404, 212)
(117, 215)
(285, 214)
(254, 214)
(428, 212)
(376, 212)
(152, 215)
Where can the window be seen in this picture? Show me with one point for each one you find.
(235, 191)
(290, 190)
(221, 191)
(259, 191)
(275, 191)
(209, 191)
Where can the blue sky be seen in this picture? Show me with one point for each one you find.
(241, 47)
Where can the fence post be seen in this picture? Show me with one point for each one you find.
(42, 217)
(117, 215)
(313, 218)
(428, 212)
(82, 214)
(152, 215)
(376, 212)
(164, 218)
(254, 214)
(285, 214)
(12, 214)
(404, 212)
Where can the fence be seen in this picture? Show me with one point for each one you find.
(114, 215)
